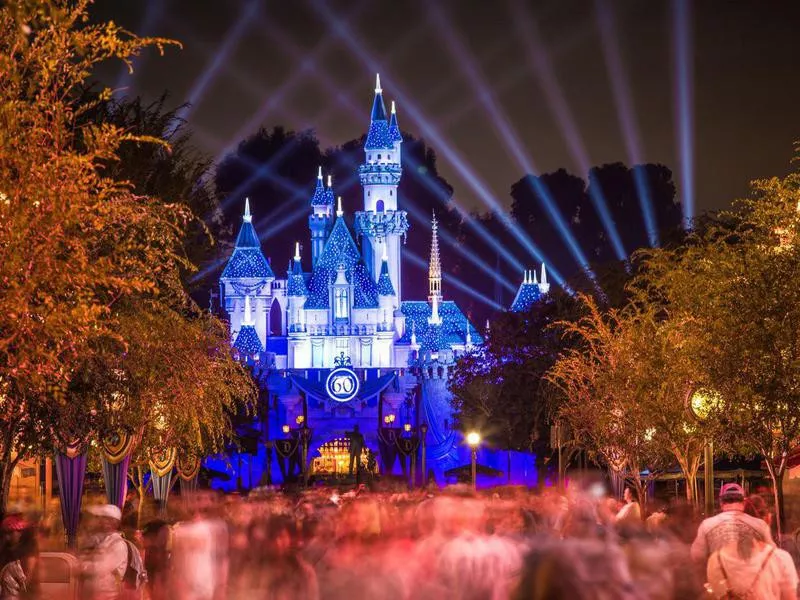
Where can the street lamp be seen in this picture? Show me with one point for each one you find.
(701, 403)
(473, 441)
(285, 429)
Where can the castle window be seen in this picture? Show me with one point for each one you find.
(379, 156)
(390, 193)
(379, 206)
(340, 303)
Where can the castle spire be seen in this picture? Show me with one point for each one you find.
(434, 266)
(247, 218)
(297, 251)
(394, 128)
(378, 107)
(544, 274)
(435, 274)
(339, 211)
(318, 199)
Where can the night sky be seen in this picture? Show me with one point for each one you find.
(287, 63)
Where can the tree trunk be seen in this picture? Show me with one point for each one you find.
(776, 474)
(7, 466)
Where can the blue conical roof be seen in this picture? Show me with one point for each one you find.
(394, 128)
(378, 107)
(319, 198)
(527, 294)
(296, 285)
(378, 136)
(248, 342)
(247, 259)
(385, 287)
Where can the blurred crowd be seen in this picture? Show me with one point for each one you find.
(505, 543)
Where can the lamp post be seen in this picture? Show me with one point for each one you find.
(407, 429)
(473, 441)
(701, 403)
(423, 430)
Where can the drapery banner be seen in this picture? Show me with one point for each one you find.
(71, 472)
(115, 478)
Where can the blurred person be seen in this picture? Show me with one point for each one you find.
(111, 567)
(630, 515)
(575, 570)
(732, 525)
(286, 576)
(156, 537)
(199, 565)
(17, 578)
(750, 567)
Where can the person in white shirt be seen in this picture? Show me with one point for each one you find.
(750, 567)
(631, 513)
(731, 525)
(106, 558)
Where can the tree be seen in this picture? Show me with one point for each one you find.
(173, 172)
(604, 402)
(734, 288)
(80, 252)
(499, 389)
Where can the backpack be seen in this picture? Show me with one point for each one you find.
(135, 574)
(731, 595)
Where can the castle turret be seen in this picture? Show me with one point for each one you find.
(320, 220)
(381, 224)
(530, 291)
(247, 342)
(247, 276)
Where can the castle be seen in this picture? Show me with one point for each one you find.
(336, 345)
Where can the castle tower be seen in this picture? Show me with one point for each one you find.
(435, 275)
(320, 220)
(381, 224)
(530, 290)
(246, 280)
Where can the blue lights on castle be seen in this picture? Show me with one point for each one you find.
(336, 347)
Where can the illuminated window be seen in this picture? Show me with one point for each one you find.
(340, 303)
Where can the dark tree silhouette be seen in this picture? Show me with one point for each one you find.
(277, 170)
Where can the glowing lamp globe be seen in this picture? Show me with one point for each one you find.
(473, 439)
(285, 429)
(407, 427)
(703, 402)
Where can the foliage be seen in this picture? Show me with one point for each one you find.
(173, 171)
(82, 256)
(607, 396)
(498, 389)
(733, 288)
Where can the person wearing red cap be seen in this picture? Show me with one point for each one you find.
(751, 568)
(731, 526)
(20, 559)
